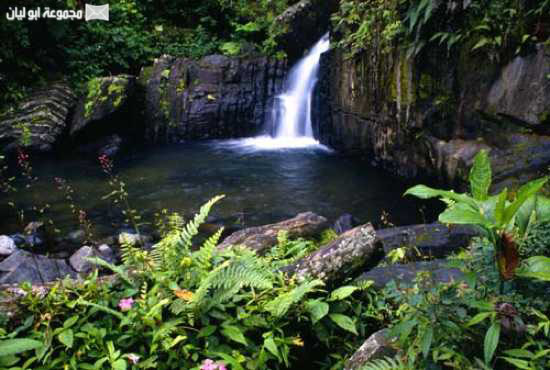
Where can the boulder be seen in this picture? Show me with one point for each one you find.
(106, 253)
(522, 91)
(515, 158)
(79, 262)
(7, 245)
(340, 258)
(39, 121)
(301, 25)
(429, 240)
(214, 97)
(406, 273)
(23, 266)
(261, 238)
(375, 347)
(103, 97)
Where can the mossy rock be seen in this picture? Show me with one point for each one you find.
(104, 96)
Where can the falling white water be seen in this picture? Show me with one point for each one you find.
(292, 109)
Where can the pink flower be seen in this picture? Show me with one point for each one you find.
(125, 304)
(208, 364)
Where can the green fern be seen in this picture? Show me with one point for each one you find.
(167, 254)
(243, 270)
(202, 258)
(192, 227)
(280, 305)
(386, 363)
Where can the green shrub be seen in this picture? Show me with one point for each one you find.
(537, 241)
(175, 306)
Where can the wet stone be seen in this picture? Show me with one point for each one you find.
(7, 245)
(23, 266)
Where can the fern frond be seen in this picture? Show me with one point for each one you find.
(225, 280)
(203, 256)
(178, 306)
(168, 253)
(386, 363)
(192, 227)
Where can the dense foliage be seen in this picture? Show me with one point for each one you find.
(176, 307)
(138, 31)
(497, 28)
(184, 306)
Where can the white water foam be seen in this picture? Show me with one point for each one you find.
(266, 142)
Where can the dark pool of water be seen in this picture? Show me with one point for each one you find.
(260, 186)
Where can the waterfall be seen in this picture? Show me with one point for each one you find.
(291, 115)
(292, 110)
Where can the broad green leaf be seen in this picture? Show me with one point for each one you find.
(462, 213)
(478, 318)
(403, 329)
(317, 309)
(425, 192)
(537, 267)
(520, 364)
(101, 308)
(518, 352)
(269, 343)
(499, 208)
(66, 337)
(491, 341)
(234, 333)
(15, 346)
(229, 360)
(280, 305)
(538, 205)
(343, 321)
(206, 331)
(119, 270)
(480, 176)
(542, 353)
(70, 322)
(8, 361)
(342, 292)
(524, 193)
(427, 341)
(119, 364)
(481, 43)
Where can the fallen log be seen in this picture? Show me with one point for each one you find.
(261, 238)
(342, 257)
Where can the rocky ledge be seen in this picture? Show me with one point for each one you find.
(214, 97)
(39, 121)
(429, 116)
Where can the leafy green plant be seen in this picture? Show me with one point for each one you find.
(178, 305)
(501, 220)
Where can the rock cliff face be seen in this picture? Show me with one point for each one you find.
(431, 115)
(39, 121)
(215, 97)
